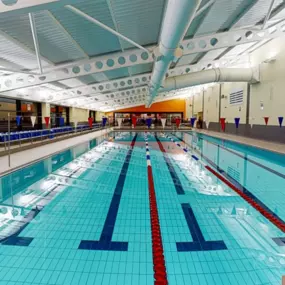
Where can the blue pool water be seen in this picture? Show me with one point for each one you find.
(83, 215)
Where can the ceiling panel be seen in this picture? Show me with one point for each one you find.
(92, 38)
(10, 51)
(256, 13)
(117, 73)
(54, 44)
(139, 20)
(221, 12)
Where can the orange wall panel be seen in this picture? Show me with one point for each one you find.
(177, 105)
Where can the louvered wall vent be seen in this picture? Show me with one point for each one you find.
(236, 97)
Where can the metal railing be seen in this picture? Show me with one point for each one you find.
(23, 138)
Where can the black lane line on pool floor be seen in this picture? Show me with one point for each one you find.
(199, 243)
(105, 242)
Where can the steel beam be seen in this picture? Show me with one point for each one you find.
(230, 39)
(268, 14)
(160, 98)
(85, 67)
(106, 88)
(136, 56)
(202, 9)
(138, 80)
(99, 88)
(36, 42)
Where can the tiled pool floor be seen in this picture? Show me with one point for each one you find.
(93, 222)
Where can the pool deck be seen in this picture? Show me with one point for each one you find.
(271, 146)
(31, 155)
(24, 157)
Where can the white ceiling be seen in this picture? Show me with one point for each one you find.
(68, 42)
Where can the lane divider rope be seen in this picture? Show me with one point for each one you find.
(271, 217)
(159, 268)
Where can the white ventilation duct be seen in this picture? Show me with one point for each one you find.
(177, 19)
(250, 75)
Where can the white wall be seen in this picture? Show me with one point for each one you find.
(99, 116)
(230, 112)
(189, 107)
(198, 102)
(45, 111)
(211, 103)
(271, 90)
(79, 115)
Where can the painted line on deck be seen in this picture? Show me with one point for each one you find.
(159, 267)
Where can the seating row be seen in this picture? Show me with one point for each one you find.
(14, 136)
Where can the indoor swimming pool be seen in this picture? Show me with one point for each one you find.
(146, 208)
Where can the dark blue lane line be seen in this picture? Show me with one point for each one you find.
(238, 185)
(195, 157)
(198, 243)
(245, 158)
(176, 181)
(278, 241)
(14, 238)
(105, 242)
(242, 188)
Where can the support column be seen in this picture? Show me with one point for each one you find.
(220, 98)
(39, 116)
(71, 115)
(203, 111)
(247, 126)
(67, 116)
(193, 105)
(57, 116)
(19, 113)
(247, 105)
(45, 112)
